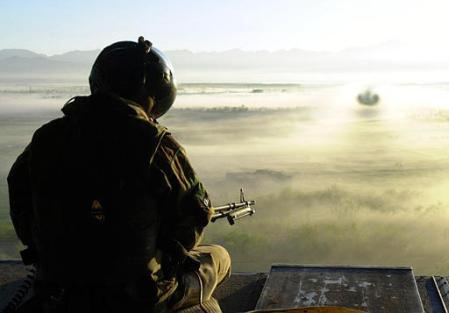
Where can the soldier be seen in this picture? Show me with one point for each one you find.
(107, 202)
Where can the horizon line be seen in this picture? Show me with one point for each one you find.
(227, 50)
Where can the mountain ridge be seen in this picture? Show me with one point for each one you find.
(229, 65)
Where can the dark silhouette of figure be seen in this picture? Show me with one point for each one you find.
(107, 202)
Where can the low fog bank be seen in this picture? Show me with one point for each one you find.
(336, 225)
(335, 182)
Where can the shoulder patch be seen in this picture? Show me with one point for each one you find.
(97, 211)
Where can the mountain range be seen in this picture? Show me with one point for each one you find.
(16, 64)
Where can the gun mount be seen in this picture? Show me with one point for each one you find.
(234, 211)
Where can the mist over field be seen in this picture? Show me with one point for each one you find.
(335, 182)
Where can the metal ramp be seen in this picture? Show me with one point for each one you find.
(243, 291)
(370, 289)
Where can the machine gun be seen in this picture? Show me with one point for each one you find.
(234, 211)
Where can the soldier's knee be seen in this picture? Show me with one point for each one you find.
(217, 258)
(218, 252)
(222, 259)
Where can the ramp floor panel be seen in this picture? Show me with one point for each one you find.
(371, 289)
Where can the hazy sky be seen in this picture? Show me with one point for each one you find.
(58, 26)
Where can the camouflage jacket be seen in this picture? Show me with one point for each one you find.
(106, 196)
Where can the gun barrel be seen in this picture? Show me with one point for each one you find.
(233, 206)
(233, 211)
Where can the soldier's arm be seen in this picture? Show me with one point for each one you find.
(187, 206)
(20, 198)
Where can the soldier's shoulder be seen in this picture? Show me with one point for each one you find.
(145, 133)
(171, 142)
(171, 147)
(53, 127)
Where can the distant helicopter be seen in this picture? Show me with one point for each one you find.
(368, 98)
